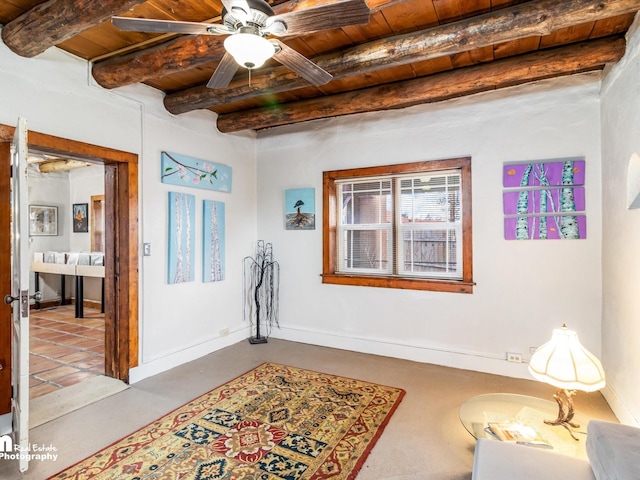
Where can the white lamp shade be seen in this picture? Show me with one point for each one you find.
(249, 50)
(564, 363)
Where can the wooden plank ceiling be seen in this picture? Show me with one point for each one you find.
(410, 52)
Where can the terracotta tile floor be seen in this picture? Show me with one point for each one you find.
(63, 349)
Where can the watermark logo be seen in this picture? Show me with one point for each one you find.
(30, 452)
(6, 444)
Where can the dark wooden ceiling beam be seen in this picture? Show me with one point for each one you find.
(535, 18)
(555, 62)
(55, 21)
(171, 57)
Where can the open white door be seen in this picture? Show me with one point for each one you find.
(20, 293)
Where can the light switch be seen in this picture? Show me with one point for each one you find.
(146, 249)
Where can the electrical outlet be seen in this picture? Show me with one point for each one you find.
(224, 332)
(514, 357)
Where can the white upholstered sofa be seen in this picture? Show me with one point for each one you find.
(613, 452)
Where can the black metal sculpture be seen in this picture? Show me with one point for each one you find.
(261, 280)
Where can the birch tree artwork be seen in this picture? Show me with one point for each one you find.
(181, 237)
(213, 243)
(544, 200)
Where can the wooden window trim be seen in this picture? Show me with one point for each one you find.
(329, 228)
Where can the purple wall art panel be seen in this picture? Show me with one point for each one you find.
(540, 173)
(548, 200)
(544, 199)
(545, 228)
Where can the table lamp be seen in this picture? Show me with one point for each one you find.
(564, 363)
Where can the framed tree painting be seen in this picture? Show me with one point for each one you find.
(544, 200)
(213, 242)
(300, 209)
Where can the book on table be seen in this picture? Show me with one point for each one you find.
(518, 433)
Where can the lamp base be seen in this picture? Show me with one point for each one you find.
(566, 411)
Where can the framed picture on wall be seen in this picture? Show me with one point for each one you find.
(43, 220)
(213, 245)
(300, 209)
(80, 217)
(544, 199)
(182, 237)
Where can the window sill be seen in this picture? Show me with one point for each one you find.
(395, 282)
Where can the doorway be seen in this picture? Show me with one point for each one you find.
(66, 343)
(120, 237)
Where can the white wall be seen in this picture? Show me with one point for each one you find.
(183, 320)
(621, 234)
(83, 184)
(524, 288)
(50, 189)
(177, 322)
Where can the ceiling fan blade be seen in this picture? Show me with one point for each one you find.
(130, 24)
(324, 17)
(225, 71)
(239, 8)
(300, 64)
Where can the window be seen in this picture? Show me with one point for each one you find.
(399, 226)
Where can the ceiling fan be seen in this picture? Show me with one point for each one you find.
(248, 23)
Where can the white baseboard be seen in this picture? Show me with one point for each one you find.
(174, 359)
(435, 354)
(466, 360)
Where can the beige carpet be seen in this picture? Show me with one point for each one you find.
(424, 439)
(61, 402)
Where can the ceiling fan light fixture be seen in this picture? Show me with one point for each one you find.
(249, 50)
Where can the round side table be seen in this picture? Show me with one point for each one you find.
(477, 412)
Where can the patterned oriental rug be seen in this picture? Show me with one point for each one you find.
(275, 422)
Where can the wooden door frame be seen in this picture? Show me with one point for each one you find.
(121, 225)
